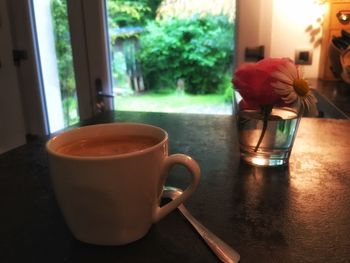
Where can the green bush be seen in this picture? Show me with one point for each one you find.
(123, 13)
(225, 87)
(197, 49)
(64, 61)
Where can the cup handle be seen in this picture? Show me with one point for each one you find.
(193, 168)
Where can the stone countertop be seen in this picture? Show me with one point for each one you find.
(297, 213)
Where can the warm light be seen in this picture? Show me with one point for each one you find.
(259, 161)
(308, 11)
(344, 16)
(263, 161)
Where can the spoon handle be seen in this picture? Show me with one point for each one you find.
(224, 252)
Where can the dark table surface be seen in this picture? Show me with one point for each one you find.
(298, 213)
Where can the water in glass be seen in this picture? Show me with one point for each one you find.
(275, 147)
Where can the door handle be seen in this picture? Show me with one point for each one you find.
(99, 92)
(100, 95)
(104, 95)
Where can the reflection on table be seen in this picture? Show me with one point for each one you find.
(298, 213)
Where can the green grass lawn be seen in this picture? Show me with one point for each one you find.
(173, 102)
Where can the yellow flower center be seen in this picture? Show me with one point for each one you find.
(301, 87)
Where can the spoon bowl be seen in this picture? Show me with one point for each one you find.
(223, 251)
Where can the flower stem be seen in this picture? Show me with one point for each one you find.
(266, 111)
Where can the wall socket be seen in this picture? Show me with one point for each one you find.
(303, 57)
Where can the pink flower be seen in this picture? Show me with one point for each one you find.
(253, 82)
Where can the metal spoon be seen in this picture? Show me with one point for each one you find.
(224, 252)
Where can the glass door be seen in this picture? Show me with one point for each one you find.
(55, 62)
(88, 51)
(172, 56)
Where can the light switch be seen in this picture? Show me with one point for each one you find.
(303, 57)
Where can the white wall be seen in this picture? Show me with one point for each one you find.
(249, 23)
(31, 94)
(12, 130)
(281, 26)
(290, 23)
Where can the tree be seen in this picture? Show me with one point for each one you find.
(64, 60)
(196, 49)
(123, 13)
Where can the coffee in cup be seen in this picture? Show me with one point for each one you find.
(106, 146)
(108, 180)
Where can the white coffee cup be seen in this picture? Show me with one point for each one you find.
(114, 199)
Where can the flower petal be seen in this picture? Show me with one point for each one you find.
(271, 82)
(282, 77)
(291, 97)
(284, 70)
(282, 88)
(292, 69)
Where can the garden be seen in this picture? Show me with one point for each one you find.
(173, 54)
(165, 55)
